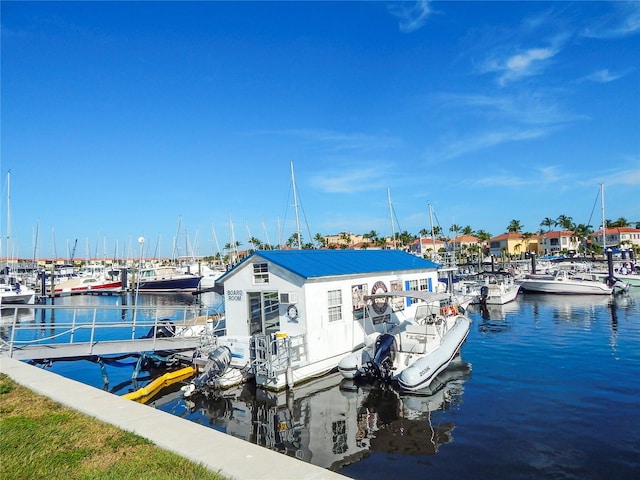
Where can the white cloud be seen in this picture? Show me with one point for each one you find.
(413, 17)
(624, 21)
(602, 76)
(488, 139)
(538, 176)
(523, 64)
(350, 181)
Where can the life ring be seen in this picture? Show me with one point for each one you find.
(448, 311)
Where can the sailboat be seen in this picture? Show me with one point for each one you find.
(12, 291)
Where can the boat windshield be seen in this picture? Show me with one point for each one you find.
(423, 312)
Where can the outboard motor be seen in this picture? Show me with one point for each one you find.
(381, 366)
(484, 294)
(611, 280)
(482, 298)
(217, 363)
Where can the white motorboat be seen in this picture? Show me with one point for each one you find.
(494, 292)
(13, 292)
(561, 282)
(414, 350)
(92, 278)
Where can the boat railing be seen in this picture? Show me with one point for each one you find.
(274, 353)
(39, 327)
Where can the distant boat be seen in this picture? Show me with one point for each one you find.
(92, 278)
(209, 275)
(165, 279)
(12, 292)
(497, 292)
(561, 282)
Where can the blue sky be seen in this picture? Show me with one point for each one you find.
(165, 120)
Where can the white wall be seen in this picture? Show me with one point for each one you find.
(324, 338)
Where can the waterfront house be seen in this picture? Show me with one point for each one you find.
(513, 243)
(425, 246)
(555, 243)
(617, 237)
(296, 313)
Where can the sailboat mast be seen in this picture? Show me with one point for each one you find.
(175, 240)
(295, 206)
(393, 231)
(433, 239)
(604, 221)
(8, 213)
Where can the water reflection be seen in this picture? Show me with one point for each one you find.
(330, 422)
(570, 307)
(495, 318)
(14, 315)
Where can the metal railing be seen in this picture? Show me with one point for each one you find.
(53, 331)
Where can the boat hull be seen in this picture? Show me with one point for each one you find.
(108, 287)
(574, 287)
(420, 373)
(183, 284)
(423, 371)
(18, 299)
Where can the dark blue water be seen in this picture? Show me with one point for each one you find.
(546, 387)
(554, 393)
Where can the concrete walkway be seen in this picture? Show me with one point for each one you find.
(219, 452)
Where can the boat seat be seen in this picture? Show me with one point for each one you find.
(413, 339)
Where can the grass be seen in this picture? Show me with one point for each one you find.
(42, 439)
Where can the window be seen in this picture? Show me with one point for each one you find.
(260, 273)
(335, 305)
(413, 285)
(424, 284)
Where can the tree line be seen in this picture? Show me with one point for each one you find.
(401, 239)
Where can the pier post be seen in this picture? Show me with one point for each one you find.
(533, 263)
(53, 280)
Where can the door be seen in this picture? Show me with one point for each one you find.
(264, 312)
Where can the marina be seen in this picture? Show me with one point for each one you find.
(544, 388)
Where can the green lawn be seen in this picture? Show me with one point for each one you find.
(41, 439)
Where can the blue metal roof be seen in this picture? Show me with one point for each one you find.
(324, 263)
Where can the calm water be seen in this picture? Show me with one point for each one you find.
(546, 387)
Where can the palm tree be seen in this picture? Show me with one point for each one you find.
(548, 222)
(580, 234)
(256, 243)
(482, 235)
(620, 222)
(526, 236)
(321, 241)
(406, 238)
(467, 230)
(293, 240)
(345, 239)
(372, 235)
(564, 221)
(514, 226)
